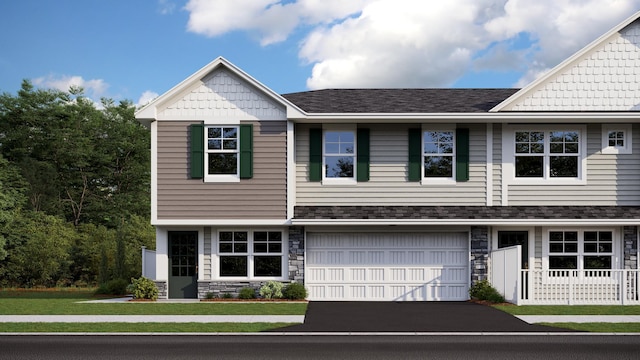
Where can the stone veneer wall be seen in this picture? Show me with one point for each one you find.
(296, 254)
(479, 253)
(163, 291)
(630, 247)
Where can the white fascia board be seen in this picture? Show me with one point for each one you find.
(225, 222)
(470, 222)
(578, 56)
(481, 118)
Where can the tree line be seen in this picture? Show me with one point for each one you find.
(74, 189)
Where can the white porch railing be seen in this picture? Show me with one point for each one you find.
(579, 287)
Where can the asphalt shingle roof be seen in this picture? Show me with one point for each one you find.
(399, 100)
(466, 212)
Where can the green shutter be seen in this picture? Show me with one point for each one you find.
(362, 161)
(315, 154)
(462, 154)
(196, 162)
(246, 151)
(415, 155)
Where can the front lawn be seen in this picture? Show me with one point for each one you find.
(20, 302)
(139, 327)
(569, 309)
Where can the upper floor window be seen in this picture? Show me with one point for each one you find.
(616, 139)
(339, 154)
(439, 154)
(555, 155)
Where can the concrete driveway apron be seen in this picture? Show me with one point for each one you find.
(410, 317)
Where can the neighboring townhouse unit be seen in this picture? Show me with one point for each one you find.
(404, 194)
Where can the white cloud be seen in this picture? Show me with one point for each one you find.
(146, 97)
(93, 88)
(416, 43)
(166, 7)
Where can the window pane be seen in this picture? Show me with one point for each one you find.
(563, 166)
(226, 247)
(260, 247)
(233, 266)
(556, 248)
(223, 164)
(606, 236)
(556, 236)
(332, 148)
(275, 236)
(260, 236)
(438, 166)
(597, 262)
(529, 166)
(214, 144)
(240, 236)
(230, 133)
(226, 236)
(275, 247)
(214, 132)
(240, 247)
(339, 167)
(571, 236)
(563, 262)
(590, 247)
(230, 144)
(267, 266)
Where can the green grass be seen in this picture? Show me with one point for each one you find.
(139, 327)
(14, 302)
(570, 309)
(599, 327)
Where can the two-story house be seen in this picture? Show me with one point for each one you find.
(404, 194)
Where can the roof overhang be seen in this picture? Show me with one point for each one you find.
(466, 222)
(502, 117)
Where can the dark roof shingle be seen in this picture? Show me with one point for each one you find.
(399, 100)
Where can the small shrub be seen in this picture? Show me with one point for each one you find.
(271, 290)
(482, 290)
(210, 295)
(294, 291)
(113, 287)
(247, 293)
(144, 288)
(226, 295)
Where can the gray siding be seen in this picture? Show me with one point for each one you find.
(497, 164)
(611, 179)
(388, 173)
(207, 254)
(262, 197)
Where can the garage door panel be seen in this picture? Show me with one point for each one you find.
(397, 267)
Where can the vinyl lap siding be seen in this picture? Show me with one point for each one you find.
(497, 164)
(611, 179)
(388, 173)
(262, 197)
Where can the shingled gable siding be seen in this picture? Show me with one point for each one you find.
(388, 181)
(262, 197)
(612, 179)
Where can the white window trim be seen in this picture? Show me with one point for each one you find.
(226, 178)
(438, 180)
(340, 181)
(215, 255)
(531, 239)
(628, 139)
(615, 251)
(509, 155)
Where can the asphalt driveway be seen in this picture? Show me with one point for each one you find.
(410, 317)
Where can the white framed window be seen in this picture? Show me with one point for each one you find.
(222, 158)
(256, 254)
(339, 156)
(593, 250)
(549, 155)
(438, 155)
(616, 139)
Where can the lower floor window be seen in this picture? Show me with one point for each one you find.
(580, 250)
(250, 254)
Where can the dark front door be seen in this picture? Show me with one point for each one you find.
(512, 238)
(183, 261)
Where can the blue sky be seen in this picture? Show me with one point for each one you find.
(137, 49)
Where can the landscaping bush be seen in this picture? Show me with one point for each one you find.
(271, 290)
(144, 288)
(247, 293)
(482, 290)
(113, 287)
(226, 295)
(210, 295)
(294, 291)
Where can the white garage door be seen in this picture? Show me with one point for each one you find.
(387, 267)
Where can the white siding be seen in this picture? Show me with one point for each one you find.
(388, 183)
(606, 79)
(222, 95)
